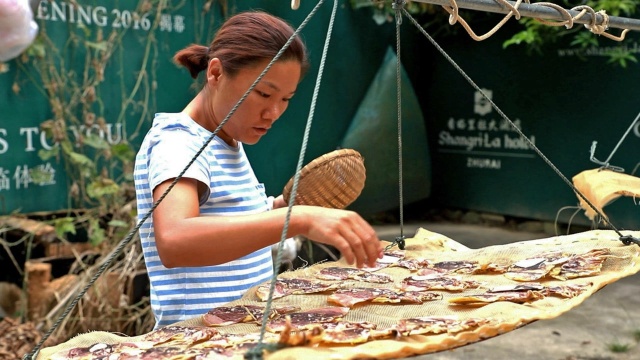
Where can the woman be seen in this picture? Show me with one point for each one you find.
(210, 239)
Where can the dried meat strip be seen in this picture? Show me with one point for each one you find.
(521, 293)
(495, 268)
(559, 265)
(284, 287)
(102, 351)
(336, 332)
(346, 336)
(376, 278)
(449, 283)
(458, 266)
(351, 296)
(587, 264)
(290, 336)
(345, 273)
(517, 287)
(228, 315)
(336, 273)
(230, 340)
(413, 264)
(307, 319)
(347, 332)
(535, 268)
(340, 332)
(431, 272)
(181, 335)
(519, 297)
(516, 293)
(452, 267)
(437, 325)
(389, 258)
(141, 351)
(568, 290)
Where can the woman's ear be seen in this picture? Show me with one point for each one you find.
(214, 70)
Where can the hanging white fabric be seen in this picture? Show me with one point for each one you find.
(17, 28)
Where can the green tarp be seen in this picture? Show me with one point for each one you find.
(374, 133)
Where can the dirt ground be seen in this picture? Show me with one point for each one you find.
(609, 319)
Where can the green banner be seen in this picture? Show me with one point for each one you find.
(562, 100)
(77, 102)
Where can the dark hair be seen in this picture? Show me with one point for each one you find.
(244, 40)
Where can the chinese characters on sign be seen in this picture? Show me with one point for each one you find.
(33, 174)
(484, 140)
(23, 176)
(40, 175)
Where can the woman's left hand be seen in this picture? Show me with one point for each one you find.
(279, 202)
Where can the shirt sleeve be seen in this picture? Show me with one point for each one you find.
(171, 152)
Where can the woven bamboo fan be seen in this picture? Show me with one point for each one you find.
(333, 180)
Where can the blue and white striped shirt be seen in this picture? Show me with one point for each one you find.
(181, 293)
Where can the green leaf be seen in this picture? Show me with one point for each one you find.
(102, 187)
(526, 36)
(80, 160)
(96, 233)
(64, 225)
(45, 154)
(584, 40)
(95, 142)
(357, 4)
(41, 174)
(37, 49)
(118, 223)
(67, 147)
(123, 151)
(620, 57)
(102, 46)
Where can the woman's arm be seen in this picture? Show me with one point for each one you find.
(184, 238)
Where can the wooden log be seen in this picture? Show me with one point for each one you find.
(64, 249)
(38, 294)
(42, 231)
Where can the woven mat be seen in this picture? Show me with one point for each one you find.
(436, 247)
(602, 187)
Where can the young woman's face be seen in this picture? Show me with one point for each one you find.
(262, 107)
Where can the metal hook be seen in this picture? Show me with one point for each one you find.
(604, 164)
(398, 241)
(628, 240)
(295, 4)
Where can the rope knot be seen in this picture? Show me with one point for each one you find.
(596, 28)
(398, 4)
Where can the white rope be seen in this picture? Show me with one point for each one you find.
(599, 21)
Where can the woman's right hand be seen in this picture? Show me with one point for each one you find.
(345, 230)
